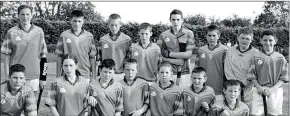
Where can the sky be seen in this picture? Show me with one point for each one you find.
(156, 12)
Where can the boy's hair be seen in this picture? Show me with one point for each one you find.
(108, 63)
(23, 7)
(114, 17)
(175, 12)
(232, 83)
(77, 13)
(213, 28)
(268, 32)
(129, 61)
(16, 68)
(246, 31)
(199, 70)
(145, 26)
(165, 64)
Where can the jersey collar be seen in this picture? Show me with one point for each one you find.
(126, 81)
(9, 89)
(150, 43)
(227, 104)
(238, 48)
(169, 86)
(179, 34)
(263, 51)
(202, 90)
(117, 35)
(31, 27)
(72, 83)
(216, 46)
(109, 84)
(72, 31)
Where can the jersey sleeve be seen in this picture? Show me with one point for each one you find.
(59, 46)
(119, 101)
(93, 50)
(51, 96)
(251, 73)
(43, 48)
(284, 73)
(7, 45)
(30, 103)
(227, 67)
(190, 42)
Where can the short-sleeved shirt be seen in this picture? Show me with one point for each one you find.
(82, 46)
(147, 59)
(213, 62)
(135, 95)
(109, 98)
(12, 104)
(68, 98)
(192, 101)
(165, 101)
(177, 43)
(26, 48)
(241, 109)
(237, 63)
(115, 49)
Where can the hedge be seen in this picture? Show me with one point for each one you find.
(52, 30)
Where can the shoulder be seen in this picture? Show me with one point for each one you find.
(27, 88)
(187, 90)
(242, 105)
(105, 36)
(13, 29)
(125, 36)
(87, 33)
(154, 45)
(38, 28)
(223, 47)
(209, 89)
(117, 85)
(66, 32)
(187, 31)
(164, 33)
(278, 55)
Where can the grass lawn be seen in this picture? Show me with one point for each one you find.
(44, 111)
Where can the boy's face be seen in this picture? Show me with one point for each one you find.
(130, 71)
(198, 79)
(69, 67)
(164, 74)
(114, 25)
(107, 74)
(212, 37)
(176, 20)
(268, 42)
(245, 40)
(25, 16)
(145, 35)
(232, 92)
(17, 80)
(77, 23)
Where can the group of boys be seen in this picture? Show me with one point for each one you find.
(146, 78)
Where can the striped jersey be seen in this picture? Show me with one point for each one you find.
(240, 109)
(26, 48)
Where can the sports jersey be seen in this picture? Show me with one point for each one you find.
(109, 99)
(147, 59)
(68, 98)
(192, 101)
(237, 63)
(12, 104)
(81, 46)
(115, 49)
(213, 62)
(135, 95)
(177, 43)
(241, 109)
(165, 101)
(26, 48)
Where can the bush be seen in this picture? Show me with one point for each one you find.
(53, 29)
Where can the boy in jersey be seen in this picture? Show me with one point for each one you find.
(198, 97)
(146, 53)
(165, 96)
(114, 45)
(238, 60)
(24, 44)
(177, 43)
(106, 94)
(17, 96)
(80, 43)
(230, 105)
(135, 90)
(271, 78)
(211, 58)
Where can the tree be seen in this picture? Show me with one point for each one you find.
(275, 14)
(235, 21)
(198, 19)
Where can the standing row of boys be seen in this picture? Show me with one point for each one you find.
(142, 78)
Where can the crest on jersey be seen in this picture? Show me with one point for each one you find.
(203, 55)
(153, 93)
(188, 98)
(167, 40)
(3, 101)
(260, 62)
(106, 45)
(136, 54)
(18, 38)
(68, 40)
(62, 90)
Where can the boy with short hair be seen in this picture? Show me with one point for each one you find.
(146, 53)
(80, 43)
(114, 45)
(165, 96)
(230, 105)
(270, 78)
(211, 58)
(16, 96)
(135, 90)
(106, 94)
(177, 43)
(198, 97)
